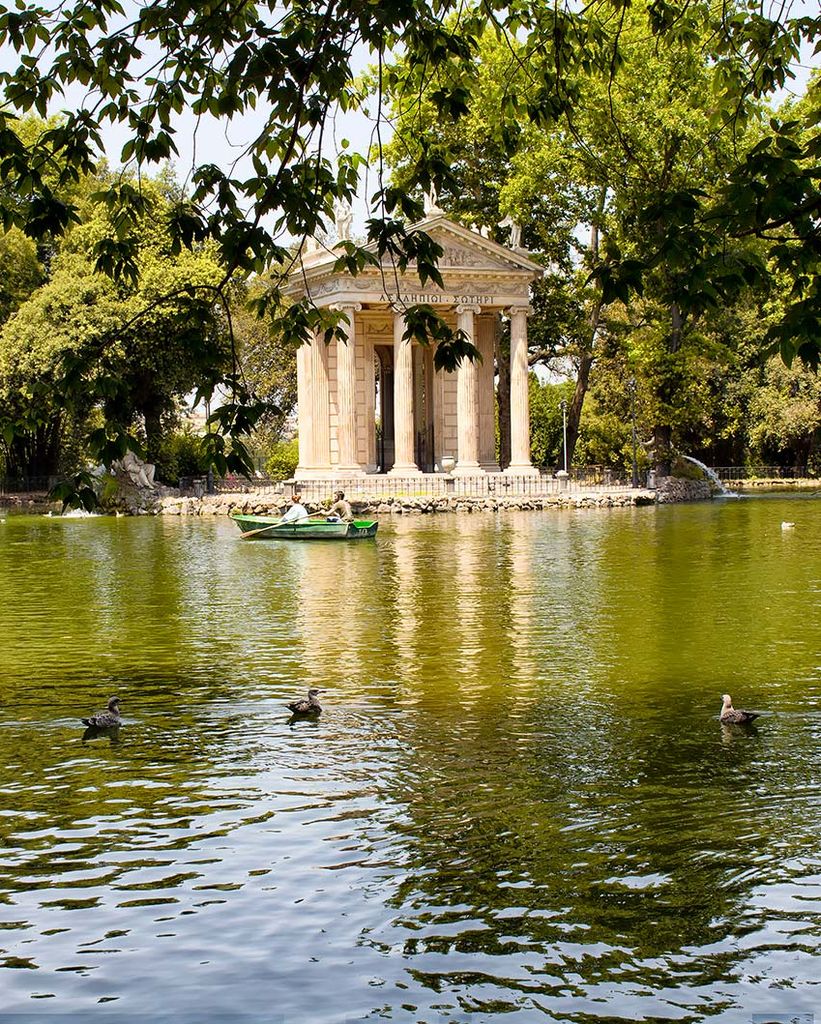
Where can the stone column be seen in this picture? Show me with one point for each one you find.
(486, 343)
(346, 390)
(304, 408)
(520, 463)
(404, 463)
(430, 416)
(467, 383)
(320, 405)
(369, 426)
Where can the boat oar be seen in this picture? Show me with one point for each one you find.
(271, 526)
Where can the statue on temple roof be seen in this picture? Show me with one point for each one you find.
(343, 215)
(432, 207)
(515, 231)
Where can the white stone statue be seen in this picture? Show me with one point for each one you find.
(515, 231)
(311, 245)
(343, 214)
(432, 207)
(140, 473)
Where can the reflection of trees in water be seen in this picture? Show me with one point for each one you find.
(188, 630)
(97, 816)
(592, 849)
(711, 581)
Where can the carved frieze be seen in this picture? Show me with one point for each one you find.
(460, 256)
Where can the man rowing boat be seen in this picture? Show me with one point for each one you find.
(341, 510)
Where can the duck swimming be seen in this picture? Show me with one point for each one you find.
(311, 706)
(729, 715)
(105, 719)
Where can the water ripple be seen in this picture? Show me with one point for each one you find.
(518, 801)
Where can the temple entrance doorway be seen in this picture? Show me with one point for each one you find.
(424, 383)
(385, 443)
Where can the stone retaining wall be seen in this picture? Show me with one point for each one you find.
(259, 504)
(673, 489)
(668, 491)
(773, 484)
(32, 502)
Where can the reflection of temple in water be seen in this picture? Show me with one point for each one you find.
(337, 620)
(431, 610)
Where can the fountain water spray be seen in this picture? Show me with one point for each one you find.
(712, 476)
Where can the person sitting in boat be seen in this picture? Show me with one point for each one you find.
(340, 511)
(296, 510)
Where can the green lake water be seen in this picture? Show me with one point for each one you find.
(518, 804)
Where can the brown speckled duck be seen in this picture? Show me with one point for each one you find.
(105, 719)
(311, 706)
(729, 715)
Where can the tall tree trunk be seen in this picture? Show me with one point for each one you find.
(574, 413)
(663, 432)
(152, 419)
(662, 446)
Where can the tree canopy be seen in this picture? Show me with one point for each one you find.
(643, 160)
(292, 66)
(82, 341)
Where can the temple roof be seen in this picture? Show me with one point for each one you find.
(467, 255)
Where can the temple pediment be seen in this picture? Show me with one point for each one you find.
(472, 266)
(465, 248)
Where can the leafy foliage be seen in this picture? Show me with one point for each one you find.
(546, 433)
(283, 460)
(646, 139)
(180, 454)
(83, 341)
(20, 271)
(292, 67)
(268, 364)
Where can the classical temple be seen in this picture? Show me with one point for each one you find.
(375, 404)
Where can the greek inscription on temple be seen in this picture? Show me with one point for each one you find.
(438, 299)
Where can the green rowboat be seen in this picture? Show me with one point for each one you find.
(305, 529)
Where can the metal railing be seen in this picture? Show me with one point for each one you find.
(198, 486)
(26, 484)
(440, 485)
(427, 485)
(423, 485)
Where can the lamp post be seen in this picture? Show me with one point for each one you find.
(563, 407)
(631, 387)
